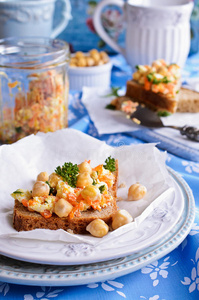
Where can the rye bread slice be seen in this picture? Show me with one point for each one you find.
(155, 101)
(25, 220)
(188, 101)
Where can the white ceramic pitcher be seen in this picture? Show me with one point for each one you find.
(32, 18)
(154, 29)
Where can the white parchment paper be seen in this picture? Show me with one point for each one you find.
(107, 121)
(22, 161)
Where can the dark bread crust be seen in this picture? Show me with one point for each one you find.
(154, 101)
(25, 220)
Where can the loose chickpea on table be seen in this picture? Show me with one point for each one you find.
(97, 228)
(136, 191)
(90, 59)
(121, 218)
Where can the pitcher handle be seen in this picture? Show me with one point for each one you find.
(98, 24)
(65, 18)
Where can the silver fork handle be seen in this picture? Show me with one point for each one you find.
(190, 132)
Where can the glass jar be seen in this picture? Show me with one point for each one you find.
(33, 86)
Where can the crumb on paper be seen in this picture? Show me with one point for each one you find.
(129, 107)
(120, 199)
(135, 120)
(122, 185)
(70, 231)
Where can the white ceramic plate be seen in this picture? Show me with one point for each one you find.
(157, 225)
(15, 271)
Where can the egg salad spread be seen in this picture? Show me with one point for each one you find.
(159, 77)
(70, 189)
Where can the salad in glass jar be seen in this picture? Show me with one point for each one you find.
(33, 87)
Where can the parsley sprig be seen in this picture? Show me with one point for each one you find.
(154, 80)
(110, 164)
(110, 106)
(163, 113)
(114, 92)
(102, 188)
(17, 192)
(69, 173)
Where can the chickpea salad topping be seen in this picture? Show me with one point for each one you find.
(70, 189)
(159, 77)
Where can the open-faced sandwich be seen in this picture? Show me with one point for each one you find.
(157, 85)
(159, 88)
(70, 199)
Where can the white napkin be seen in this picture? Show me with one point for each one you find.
(109, 121)
(23, 160)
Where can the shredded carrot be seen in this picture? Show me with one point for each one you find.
(108, 179)
(77, 190)
(98, 169)
(40, 108)
(96, 207)
(80, 198)
(46, 214)
(24, 202)
(147, 84)
(72, 198)
(13, 84)
(32, 202)
(76, 210)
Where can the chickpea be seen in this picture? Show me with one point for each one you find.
(96, 58)
(97, 228)
(73, 65)
(43, 176)
(142, 79)
(136, 76)
(120, 218)
(40, 189)
(94, 175)
(158, 63)
(53, 180)
(84, 179)
(100, 62)
(91, 192)
(81, 62)
(104, 56)
(93, 52)
(93, 58)
(163, 71)
(85, 167)
(90, 61)
(73, 60)
(136, 192)
(79, 54)
(62, 208)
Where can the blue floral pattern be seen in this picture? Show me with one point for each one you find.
(157, 271)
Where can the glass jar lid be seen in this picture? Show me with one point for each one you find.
(33, 53)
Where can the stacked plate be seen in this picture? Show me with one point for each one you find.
(57, 263)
